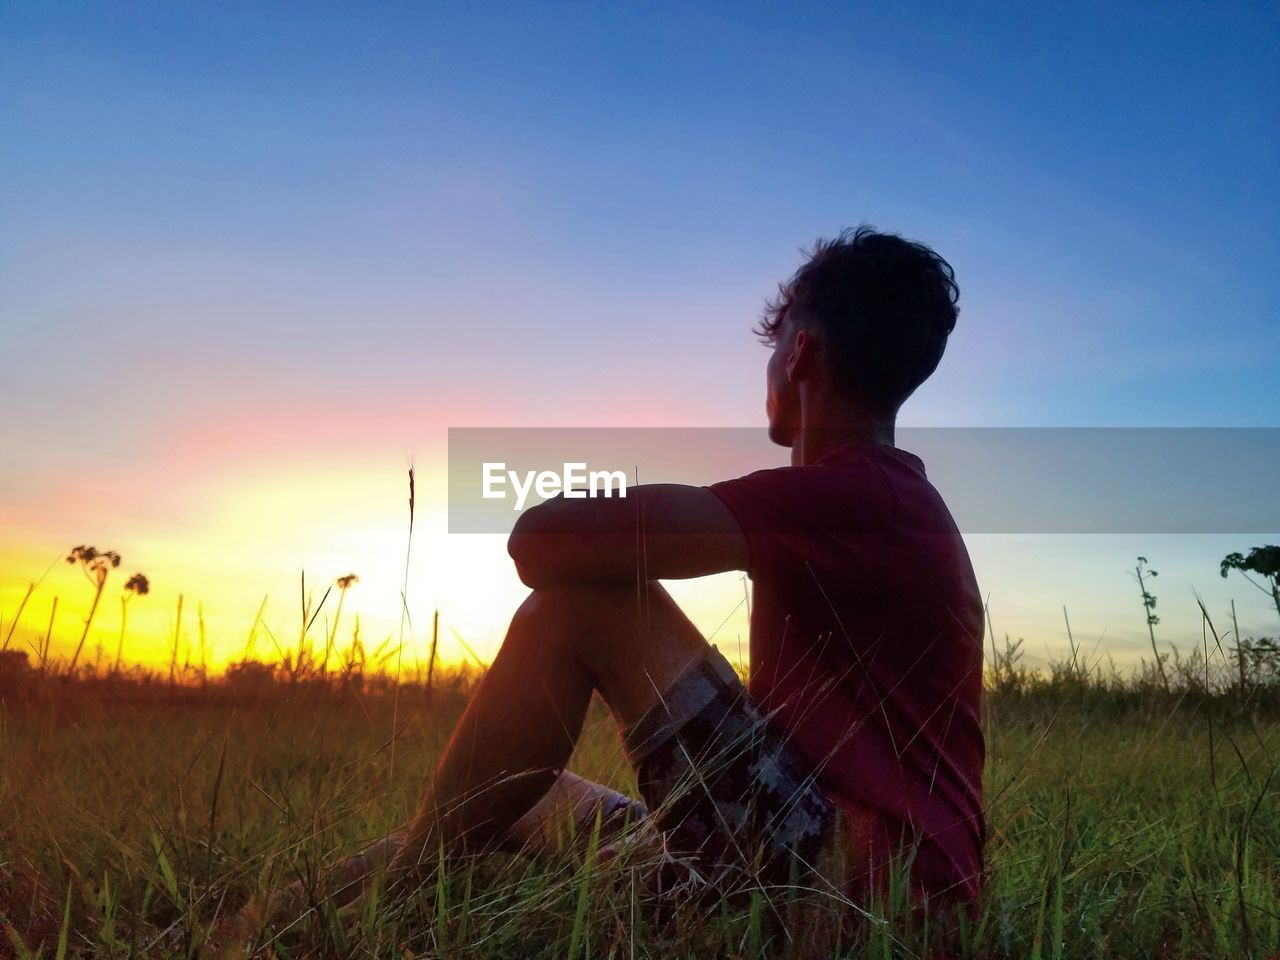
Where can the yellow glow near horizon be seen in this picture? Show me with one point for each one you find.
(224, 627)
(252, 543)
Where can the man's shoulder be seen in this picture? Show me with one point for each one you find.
(835, 462)
(880, 456)
(855, 490)
(832, 495)
(843, 471)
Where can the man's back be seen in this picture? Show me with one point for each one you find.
(866, 646)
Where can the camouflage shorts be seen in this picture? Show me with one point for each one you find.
(721, 781)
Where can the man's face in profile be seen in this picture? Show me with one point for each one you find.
(782, 402)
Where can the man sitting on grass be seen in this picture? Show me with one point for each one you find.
(857, 739)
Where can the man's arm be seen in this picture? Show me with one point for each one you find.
(656, 532)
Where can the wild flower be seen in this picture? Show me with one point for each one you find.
(344, 583)
(1142, 571)
(95, 565)
(136, 586)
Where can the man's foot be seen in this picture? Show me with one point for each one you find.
(570, 808)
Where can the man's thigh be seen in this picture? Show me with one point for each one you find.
(635, 641)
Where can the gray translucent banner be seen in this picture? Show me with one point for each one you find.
(994, 479)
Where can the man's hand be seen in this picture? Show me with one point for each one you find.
(657, 531)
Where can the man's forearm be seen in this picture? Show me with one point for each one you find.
(658, 532)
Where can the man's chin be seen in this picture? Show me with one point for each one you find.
(782, 436)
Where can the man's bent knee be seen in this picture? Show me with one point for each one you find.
(589, 603)
(570, 615)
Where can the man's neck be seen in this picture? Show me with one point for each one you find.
(823, 430)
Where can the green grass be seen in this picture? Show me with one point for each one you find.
(1123, 822)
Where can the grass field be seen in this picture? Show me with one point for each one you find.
(1124, 820)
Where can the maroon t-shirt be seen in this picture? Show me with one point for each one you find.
(866, 646)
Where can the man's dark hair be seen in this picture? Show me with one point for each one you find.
(883, 306)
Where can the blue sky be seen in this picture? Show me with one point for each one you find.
(321, 233)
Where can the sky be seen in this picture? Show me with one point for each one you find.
(256, 260)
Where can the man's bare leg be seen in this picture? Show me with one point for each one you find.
(523, 720)
(525, 716)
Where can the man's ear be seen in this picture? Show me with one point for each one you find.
(801, 355)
